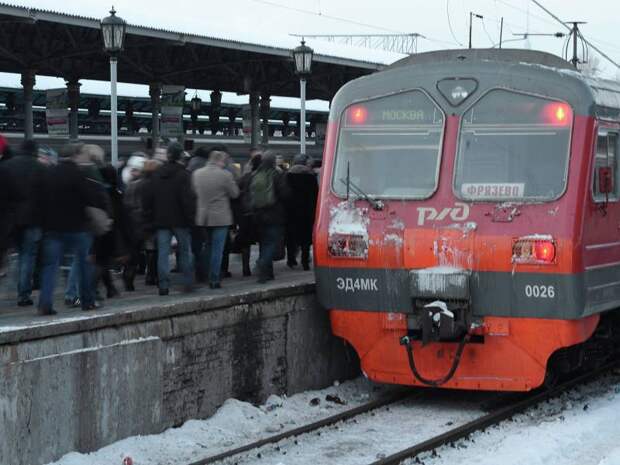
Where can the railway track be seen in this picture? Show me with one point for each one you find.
(494, 417)
(258, 452)
(314, 426)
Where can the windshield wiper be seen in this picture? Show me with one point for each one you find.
(351, 186)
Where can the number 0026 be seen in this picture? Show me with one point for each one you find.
(539, 291)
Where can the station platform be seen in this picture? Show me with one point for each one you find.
(23, 323)
(77, 381)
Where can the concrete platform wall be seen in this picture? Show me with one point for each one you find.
(80, 385)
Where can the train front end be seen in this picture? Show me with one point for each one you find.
(447, 244)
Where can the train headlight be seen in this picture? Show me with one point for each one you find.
(457, 90)
(348, 246)
(534, 250)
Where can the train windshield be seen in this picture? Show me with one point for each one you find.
(513, 147)
(390, 147)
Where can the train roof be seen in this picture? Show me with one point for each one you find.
(528, 70)
(509, 55)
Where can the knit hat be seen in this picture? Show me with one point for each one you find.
(175, 151)
(300, 159)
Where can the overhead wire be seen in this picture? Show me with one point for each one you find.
(484, 28)
(548, 21)
(320, 14)
(603, 54)
(337, 18)
(450, 24)
(533, 15)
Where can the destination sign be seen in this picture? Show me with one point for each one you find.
(493, 190)
(402, 115)
(406, 108)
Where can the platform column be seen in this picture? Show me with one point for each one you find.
(216, 109)
(28, 81)
(155, 93)
(264, 115)
(254, 99)
(73, 92)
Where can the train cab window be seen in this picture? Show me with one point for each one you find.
(389, 147)
(513, 146)
(606, 156)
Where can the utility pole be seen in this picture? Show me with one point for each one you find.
(587, 42)
(575, 34)
(501, 31)
(471, 15)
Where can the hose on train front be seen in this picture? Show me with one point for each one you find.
(406, 341)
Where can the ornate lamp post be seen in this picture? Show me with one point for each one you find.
(302, 56)
(113, 32)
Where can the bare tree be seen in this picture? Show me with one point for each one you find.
(592, 67)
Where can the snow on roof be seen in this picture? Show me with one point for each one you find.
(189, 27)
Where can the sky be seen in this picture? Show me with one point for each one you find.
(444, 23)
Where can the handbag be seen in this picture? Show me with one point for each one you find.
(99, 223)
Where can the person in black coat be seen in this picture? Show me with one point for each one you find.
(114, 246)
(8, 198)
(300, 209)
(30, 172)
(244, 217)
(64, 197)
(169, 208)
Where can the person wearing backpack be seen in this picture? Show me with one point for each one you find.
(268, 193)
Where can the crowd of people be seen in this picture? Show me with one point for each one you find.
(170, 207)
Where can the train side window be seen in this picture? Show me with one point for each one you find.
(606, 155)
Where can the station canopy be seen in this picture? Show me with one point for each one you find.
(70, 46)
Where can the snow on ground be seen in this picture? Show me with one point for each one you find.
(373, 435)
(580, 428)
(236, 423)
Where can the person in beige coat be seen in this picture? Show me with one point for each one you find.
(214, 187)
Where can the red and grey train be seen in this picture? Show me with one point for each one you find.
(468, 228)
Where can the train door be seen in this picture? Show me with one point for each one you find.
(602, 234)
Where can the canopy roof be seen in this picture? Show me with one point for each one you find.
(70, 46)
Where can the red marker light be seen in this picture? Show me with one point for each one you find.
(531, 250)
(544, 251)
(558, 113)
(358, 114)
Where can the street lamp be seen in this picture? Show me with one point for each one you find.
(302, 56)
(113, 32)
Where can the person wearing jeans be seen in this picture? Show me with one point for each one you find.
(269, 239)
(27, 247)
(72, 288)
(215, 187)
(214, 241)
(185, 265)
(28, 174)
(169, 208)
(66, 194)
(55, 245)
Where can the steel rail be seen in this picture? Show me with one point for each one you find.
(399, 395)
(494, 417)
